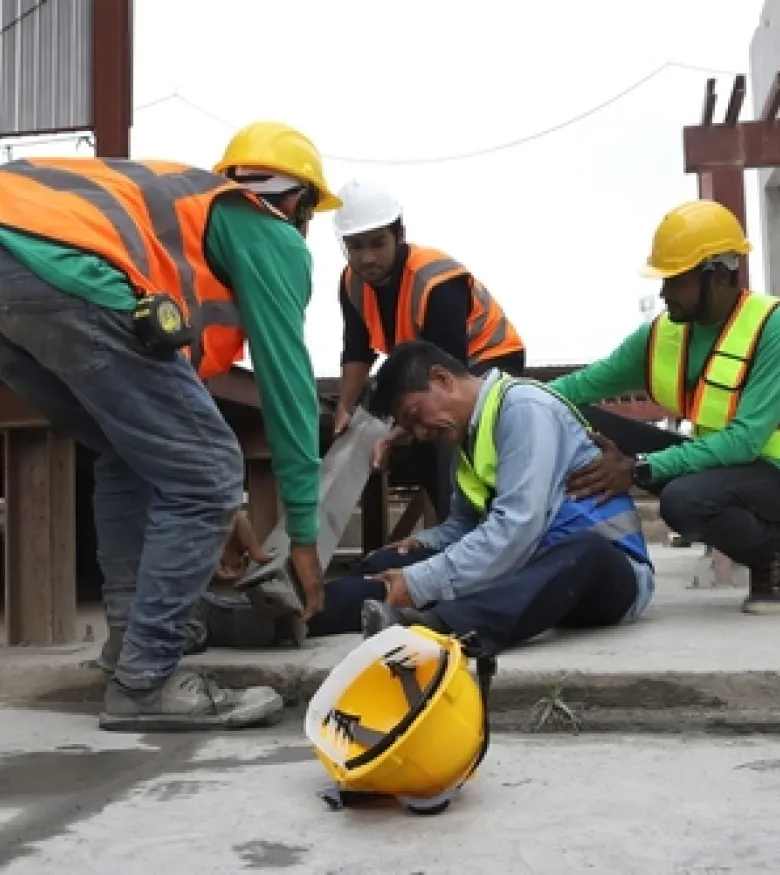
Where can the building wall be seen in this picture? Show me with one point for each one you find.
(764, 65)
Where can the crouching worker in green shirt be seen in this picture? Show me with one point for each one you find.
(90, 251)
(713, 358)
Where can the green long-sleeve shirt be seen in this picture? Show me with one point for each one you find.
(270, 270)
(741, 441)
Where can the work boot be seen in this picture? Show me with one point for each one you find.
(195, 641)
(187, 701)
(764, 596)
(376, 616)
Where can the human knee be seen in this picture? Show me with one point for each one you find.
(590, 546)
(681, 506)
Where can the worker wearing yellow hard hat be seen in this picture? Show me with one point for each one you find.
(713, 359)
(124, 286)
(273, 160)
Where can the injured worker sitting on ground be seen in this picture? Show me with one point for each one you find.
(516, 557)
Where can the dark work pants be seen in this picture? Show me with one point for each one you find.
(434, 461)
(581, 582)
(735, 510)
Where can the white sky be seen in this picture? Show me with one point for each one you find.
(558, 227)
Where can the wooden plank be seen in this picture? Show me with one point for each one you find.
(251, 436)
(15, 412)
(374, 512)
(410, 517)
(40, 537)
(263, 497)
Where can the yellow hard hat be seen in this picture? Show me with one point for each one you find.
(278, 147)
(400, 716)
(690, 234)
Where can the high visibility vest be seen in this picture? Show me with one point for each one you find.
(490, 333)
(146, 218)
(713, 401)
(617, 519)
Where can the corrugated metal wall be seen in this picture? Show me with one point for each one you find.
(45, 66)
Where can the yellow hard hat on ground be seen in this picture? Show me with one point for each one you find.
(401, 716)
(692, 233)
(277, 147)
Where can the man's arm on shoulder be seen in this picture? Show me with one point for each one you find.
(527, 444)
(622, 370)
(742, 440)
(270, 270)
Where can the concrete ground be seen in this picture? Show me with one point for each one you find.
(73, 799)
(694, 661)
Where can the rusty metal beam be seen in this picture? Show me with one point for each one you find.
(40, 537)
(772, 102)
(710, 99)
(736, 100)
(112, 77)
(747, 145)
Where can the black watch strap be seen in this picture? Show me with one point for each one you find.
(642, 470)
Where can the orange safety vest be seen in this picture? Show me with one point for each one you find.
(149, 220)
(490, 333)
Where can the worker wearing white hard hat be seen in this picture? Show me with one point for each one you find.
(393, 291)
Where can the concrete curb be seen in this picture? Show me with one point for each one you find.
(666, 702)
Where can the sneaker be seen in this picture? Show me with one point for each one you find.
(764, 597)
(188, 701)
(376, 616)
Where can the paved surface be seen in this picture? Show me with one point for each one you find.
(694, 660)
(73, 799)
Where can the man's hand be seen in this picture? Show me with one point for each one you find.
(403, 546)
(610, 474)
(397, 593)
(241, 545)
(307, 566)
(341, 420)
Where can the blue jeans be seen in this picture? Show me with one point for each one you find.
(580, 582)
(169, 475)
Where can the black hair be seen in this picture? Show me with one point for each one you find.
(408, 369)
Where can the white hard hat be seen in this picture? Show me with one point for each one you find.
(366, 205)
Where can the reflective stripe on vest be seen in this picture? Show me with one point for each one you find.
(490, 333)
(148, 219)
(714, 400)
(617, 519)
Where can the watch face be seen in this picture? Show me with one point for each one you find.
(641, 470)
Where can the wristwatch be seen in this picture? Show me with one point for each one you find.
(643, 473)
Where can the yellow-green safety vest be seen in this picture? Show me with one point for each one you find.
(616, 520)
(713, 402)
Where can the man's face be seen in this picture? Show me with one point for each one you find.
(372, 254)
(681, 295)
(436, 414)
